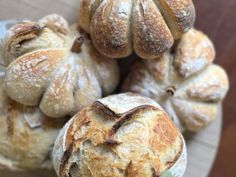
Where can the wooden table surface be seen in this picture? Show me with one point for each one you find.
(217, 19)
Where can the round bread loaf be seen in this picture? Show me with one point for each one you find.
(55, 67)
(184, 81)
(26, 135)
(122, 135)
(149, 27)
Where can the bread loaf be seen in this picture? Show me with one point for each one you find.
(55, 67)
(26, 135)
(148, 27)
(122, 135)
(184, 81)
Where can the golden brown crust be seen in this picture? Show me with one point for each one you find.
(108, 78)
(51, 73)
(28, 76)
(22, 145)
(58, 99)
(115, 146)
(29, 36)
(195, 116)
(158, 67)
(207, 87)
(87, 10)
(185, 82)
(150, 33)
(56, 23)
(110, 29)
(146, 26)
(178, 14)
(21, 32)
(201, 52)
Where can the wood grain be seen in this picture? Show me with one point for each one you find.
(218, 19)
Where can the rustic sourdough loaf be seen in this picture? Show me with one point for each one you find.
(26, 135)
(52, 65)
(149, 27)
(122, 135)
(184, 81)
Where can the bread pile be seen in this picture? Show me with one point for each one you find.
(55, 73)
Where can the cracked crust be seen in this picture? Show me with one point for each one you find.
(184, 82)
(21, 32)
(149, 27)
(51, 66)
(125, 139)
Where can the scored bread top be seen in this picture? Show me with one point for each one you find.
(121, 135)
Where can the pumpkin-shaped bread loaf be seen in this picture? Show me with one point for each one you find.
(148, 27)
(122, 135)
(184, 81)
(53, 66)
(26, 135)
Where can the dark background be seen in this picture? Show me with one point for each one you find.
(217, 18)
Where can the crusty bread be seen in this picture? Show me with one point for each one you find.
(26, 135)
(27, 36)
(122, 135)
(49, 67)
(184, 81)
(149, 27)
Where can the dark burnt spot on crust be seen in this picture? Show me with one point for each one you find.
(129, 115)
(112, 142)
(124, 118)
(77, 124)
(64, 166)
(105, 110)
(81, 119)
(65, 160)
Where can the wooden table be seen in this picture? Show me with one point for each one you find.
(202, 147)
